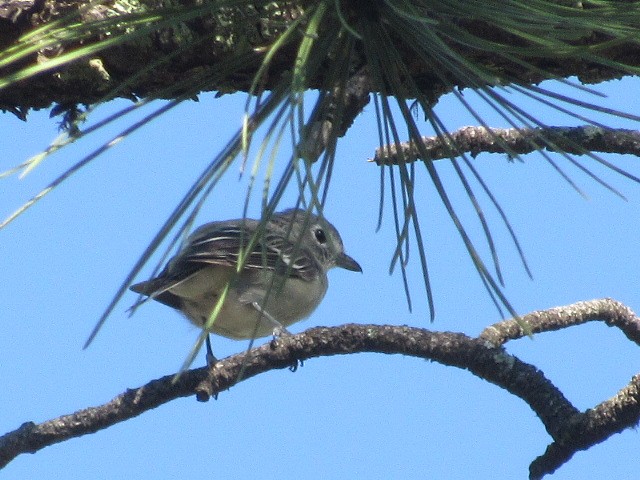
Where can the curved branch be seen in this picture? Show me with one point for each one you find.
(599, 423)
(594, 426)
(455, 349)
(607, 310)
(512, 141)
(484, 356)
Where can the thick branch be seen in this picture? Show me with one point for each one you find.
(193, 51)
(476, 140)
(455, 349)
(483, 356)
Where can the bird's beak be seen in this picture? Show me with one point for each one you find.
(348, 263)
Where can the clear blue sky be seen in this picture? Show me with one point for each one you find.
(360, 416)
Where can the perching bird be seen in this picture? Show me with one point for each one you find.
(282, 280)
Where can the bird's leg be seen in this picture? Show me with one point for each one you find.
(278, 331)
(211, 358)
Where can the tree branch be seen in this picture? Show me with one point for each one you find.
(476, 140)
(335, 115)
(590, 428)
(483, 356)
(607, 310)
(197, 46)
(599, 423)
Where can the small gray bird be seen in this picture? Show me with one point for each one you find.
(283, 278)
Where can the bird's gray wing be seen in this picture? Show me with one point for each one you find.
(294, 260)
(158, 288)
(223, 243)
(271, 251)
(215, 243)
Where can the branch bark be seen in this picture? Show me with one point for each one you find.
(484, 356)
(191, 52)
(512, 141)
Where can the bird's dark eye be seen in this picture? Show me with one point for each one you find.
(320, 236)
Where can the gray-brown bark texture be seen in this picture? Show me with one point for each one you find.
(183, 56)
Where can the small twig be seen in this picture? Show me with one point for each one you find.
(476, 140)
(607, 310)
